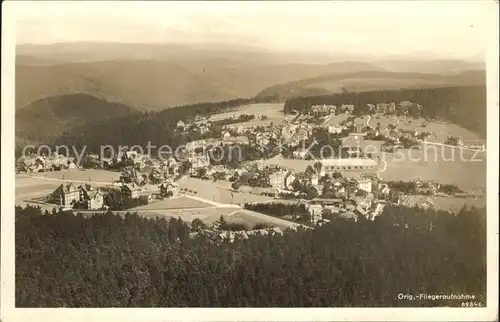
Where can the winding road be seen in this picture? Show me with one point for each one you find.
(453, 146)
(368, 122)
(370, 117)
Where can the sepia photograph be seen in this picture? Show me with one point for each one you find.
(321, 155)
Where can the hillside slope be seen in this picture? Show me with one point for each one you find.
(464, 105)
(48, 118)
(372, 80)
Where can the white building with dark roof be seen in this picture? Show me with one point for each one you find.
(348, 164)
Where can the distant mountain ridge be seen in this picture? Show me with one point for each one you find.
(154, 85)
(157, 76)
(442, 66)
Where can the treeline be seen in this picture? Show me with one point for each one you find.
(239, 119)
(465, 106)
(66, 260)
(278, 209)
(406, 187)
(411, 188)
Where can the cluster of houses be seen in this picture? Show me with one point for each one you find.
(404, 107)
(457, 141)
(329, 190)
(349, 197)
(367, 197)
(200, 124)
(42, 163)
(326, 110)
(216, 235)
(140, 177)
(89, 197)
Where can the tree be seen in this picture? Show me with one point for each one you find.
(337, 175)
(236, 185)
(261, 226)
(185, 167)
(202, 172)
(198, 224)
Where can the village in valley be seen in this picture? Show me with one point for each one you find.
(263, 155)
(259, 170)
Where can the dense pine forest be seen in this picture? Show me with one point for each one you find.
(465, 106)
(46, 119)
(67, 260)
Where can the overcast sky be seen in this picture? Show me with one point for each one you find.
(446, 28)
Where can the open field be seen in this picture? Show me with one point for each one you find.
(82, 175)
(207, 215)
(219, 191)
(93, 176)
(41, 184)
(36, 187)
(29, 188)
(362, 120)
(455, 204)
(440, 129)
(255, 123)
(251, 218)
(273, 111)
(432, 164)
(384, 120)
(180, 202)
(212, 214)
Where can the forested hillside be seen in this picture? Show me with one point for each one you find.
(465, 106)
(159, 128)
(63, 260)
(47, 119)
(95, 128)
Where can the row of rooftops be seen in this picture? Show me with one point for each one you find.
(230, 236)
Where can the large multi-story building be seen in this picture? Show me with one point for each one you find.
(365, 185)
(65, 195)
(348, 164)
